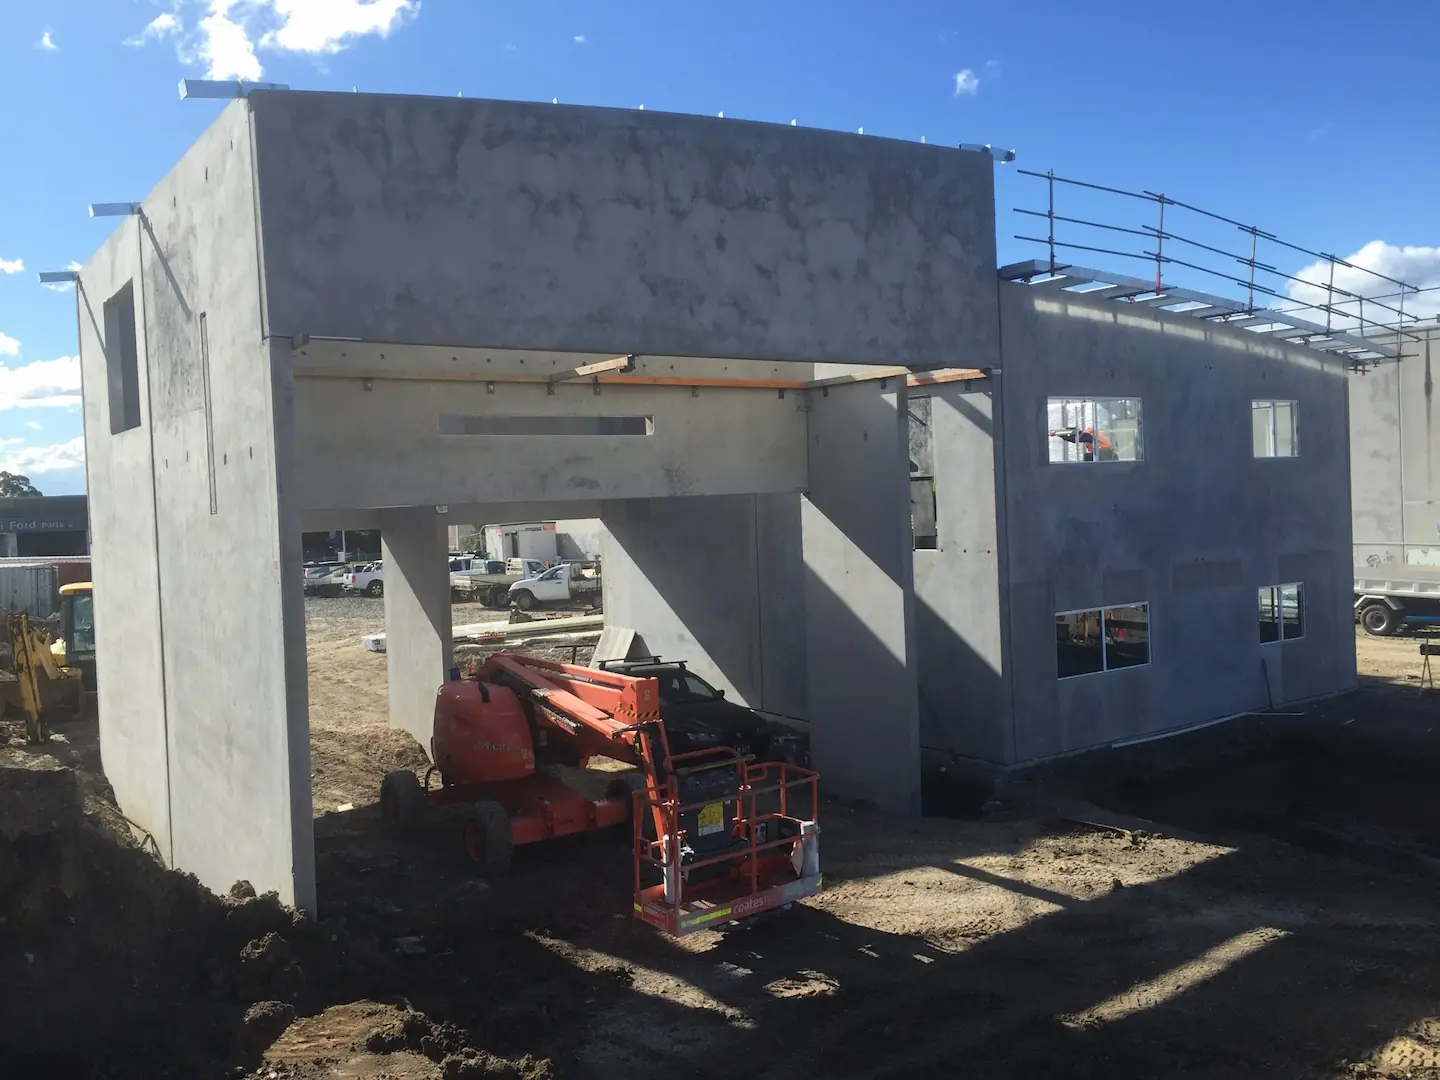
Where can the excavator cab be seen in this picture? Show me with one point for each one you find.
(76, 646)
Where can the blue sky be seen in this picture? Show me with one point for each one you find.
(1314, 120)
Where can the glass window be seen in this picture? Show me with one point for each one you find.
(1282, 612)
(1106, 639)
(1273, 429)
(1103, 429)
(83, 632)
(1127, 636)
(1269, 622)
(1079, 647)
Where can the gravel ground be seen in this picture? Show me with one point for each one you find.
(352, 745)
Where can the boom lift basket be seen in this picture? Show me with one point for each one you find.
(732, 841)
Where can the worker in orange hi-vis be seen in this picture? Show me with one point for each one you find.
(1095, 443)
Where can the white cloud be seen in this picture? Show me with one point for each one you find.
(966, 82)
(34, 425)
(225, 46)
(164, 25)
(9, 346)
(11, 266)
(327, 26)
(227, 38)
(47, 42)
(580, 39)
(15, 457)
(1418, 266)
(44, 384)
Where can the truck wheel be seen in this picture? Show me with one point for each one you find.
(402, 802)
(525, 600)
(1381, 620)
(488, 840)
(375, 588)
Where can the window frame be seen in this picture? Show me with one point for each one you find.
(1105, 668)
(1277, 599)
(1092, 403)
(1273, 440)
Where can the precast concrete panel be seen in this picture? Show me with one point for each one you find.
(1194, 530)
(716, 582)
(224, 531)
(121, 485)
(1376, 493)
(859, 596)
(535, 226)
(438, 447)
(418, 641)
(959, 618)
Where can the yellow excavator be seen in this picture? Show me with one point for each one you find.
(48, 676)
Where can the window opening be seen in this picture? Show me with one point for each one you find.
(1094, 429)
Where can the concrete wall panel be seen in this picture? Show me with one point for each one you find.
(721, 442)
(859, 596)
(418, 639)
(217, 418)
(119, 479)
(511, 224)
(959, 619)
(1177, 523)
(714, 581)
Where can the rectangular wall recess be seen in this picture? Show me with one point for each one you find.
(547, 426)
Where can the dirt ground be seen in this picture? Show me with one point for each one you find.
(1255, 899)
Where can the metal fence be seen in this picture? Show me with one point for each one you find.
(1153, 228)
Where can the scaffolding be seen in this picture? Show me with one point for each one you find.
(1365, 325)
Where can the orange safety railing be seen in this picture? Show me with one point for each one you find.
(664, 809)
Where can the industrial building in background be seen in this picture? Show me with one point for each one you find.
(848, 471)
(42, 525)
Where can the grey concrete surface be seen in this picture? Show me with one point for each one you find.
(959, 618)
(1395, 461)
(703, 580)
(1194, 530)
(464, 221)
(861, 663)
(419, 648)
(716, 441)
(203, 724)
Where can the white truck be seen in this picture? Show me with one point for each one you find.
(568, 583)
(1391, 598)
(368, 579)
(488, 581)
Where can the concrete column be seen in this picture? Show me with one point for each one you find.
(418, 645)
(859, 599)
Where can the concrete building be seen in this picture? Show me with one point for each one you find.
(357, 311)
(1395, 462)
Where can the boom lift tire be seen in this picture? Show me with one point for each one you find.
(488, 840)
(1381, 620)
(402, 802)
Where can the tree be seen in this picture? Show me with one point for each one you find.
(13, 485)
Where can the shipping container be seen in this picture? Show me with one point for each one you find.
(33, 588)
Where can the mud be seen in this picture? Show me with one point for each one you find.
(1181, 926)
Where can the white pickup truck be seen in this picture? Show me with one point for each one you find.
(567, 583)
(368, 579)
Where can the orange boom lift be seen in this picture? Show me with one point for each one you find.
(718, 839)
